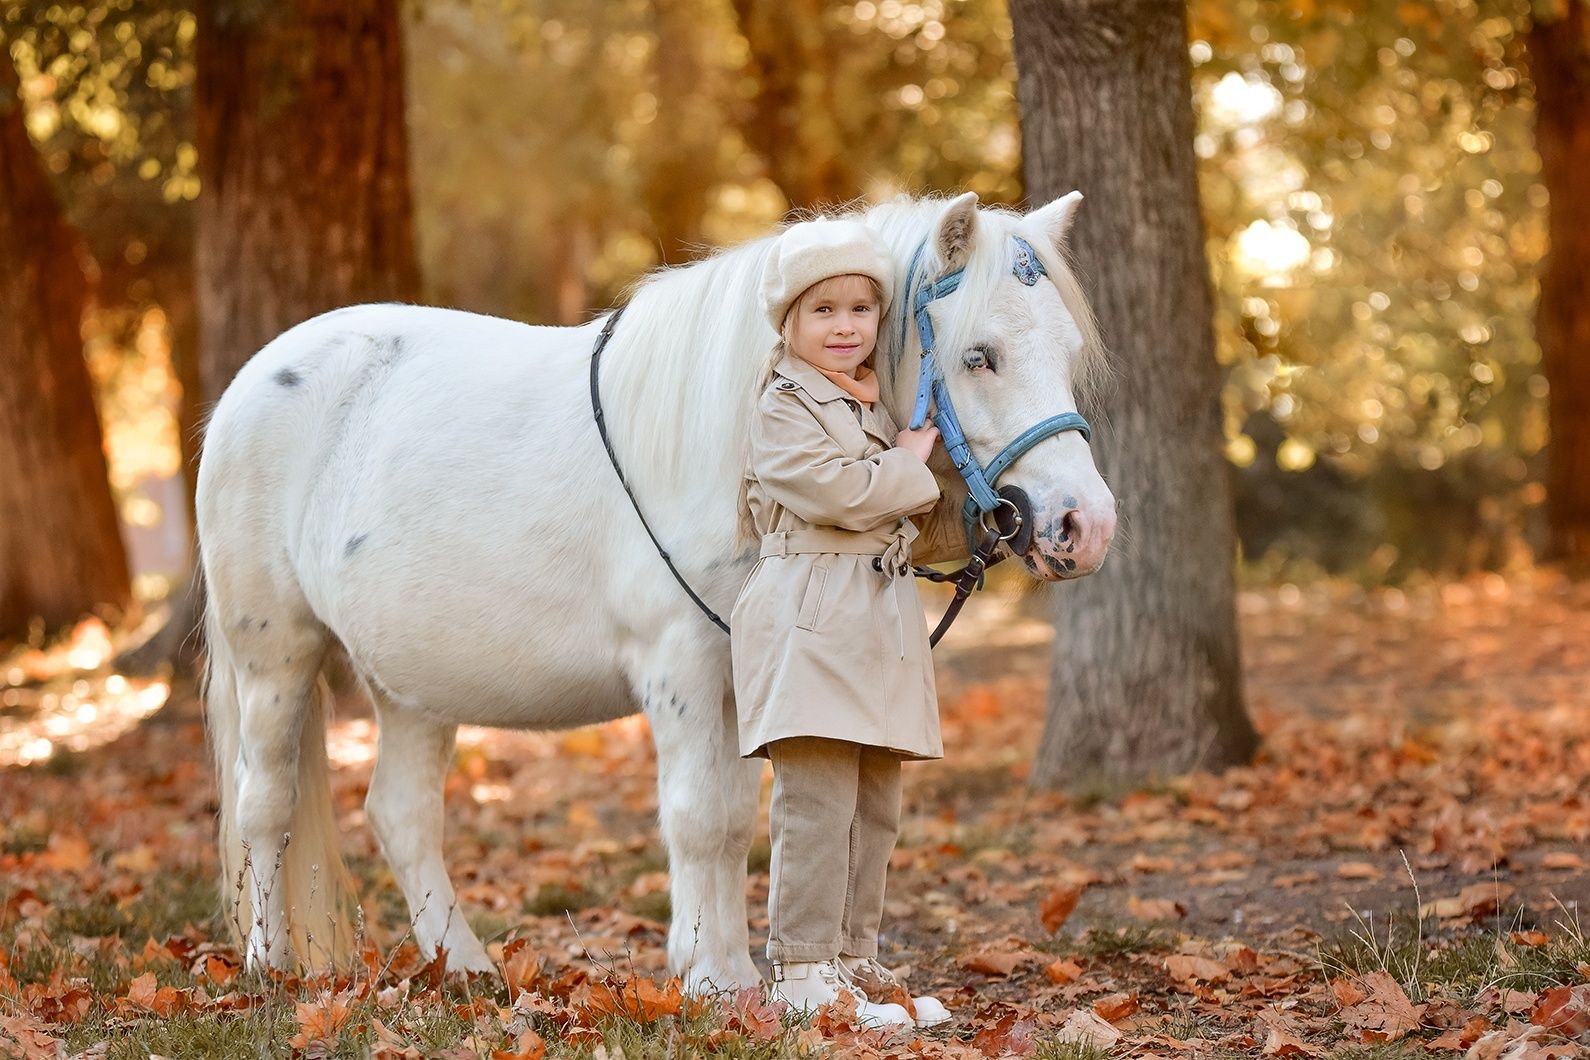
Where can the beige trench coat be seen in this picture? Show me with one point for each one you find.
(824, 644)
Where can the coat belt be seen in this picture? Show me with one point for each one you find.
(893, 547)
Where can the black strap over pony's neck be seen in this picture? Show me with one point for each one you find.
(607, 443)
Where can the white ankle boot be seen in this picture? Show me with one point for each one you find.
(862, 972)
(806, 986)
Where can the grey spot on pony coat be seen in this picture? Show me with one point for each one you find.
(288, 378)
(353, 544)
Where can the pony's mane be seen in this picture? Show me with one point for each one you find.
(688, 361)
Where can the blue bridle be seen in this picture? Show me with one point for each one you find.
(932, 390)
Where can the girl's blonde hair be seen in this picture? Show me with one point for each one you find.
(745, 529)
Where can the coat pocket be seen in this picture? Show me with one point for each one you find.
(812, 601)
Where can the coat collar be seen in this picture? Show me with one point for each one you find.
(815, 383)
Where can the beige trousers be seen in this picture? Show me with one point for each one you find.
(835, 818)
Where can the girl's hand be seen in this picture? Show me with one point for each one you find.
(919, 442)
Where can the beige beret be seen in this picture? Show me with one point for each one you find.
(812, 251)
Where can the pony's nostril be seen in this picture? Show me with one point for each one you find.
(1072, 527)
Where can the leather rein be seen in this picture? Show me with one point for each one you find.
(982, 499)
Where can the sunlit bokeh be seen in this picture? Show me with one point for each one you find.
(1372, 197)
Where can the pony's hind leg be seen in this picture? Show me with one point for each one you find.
(276, 663)
(405, 810)
(706, 804)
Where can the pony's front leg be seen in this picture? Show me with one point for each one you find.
(706, 804)
(405, 810)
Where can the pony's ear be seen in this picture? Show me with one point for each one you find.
(957, 230)
(1054, 220)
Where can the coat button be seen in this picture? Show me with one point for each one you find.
(786, 384)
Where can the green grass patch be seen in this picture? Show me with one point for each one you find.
(1071, 1051)
(1431, 962)
(1107, 938)
(554, 899)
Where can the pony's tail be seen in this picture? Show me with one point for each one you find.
(318, 889)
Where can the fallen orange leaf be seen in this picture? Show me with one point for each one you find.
(991, 963)
(1155, 908)
(1057, 905)
(1116, 1007)
(1187, 968)
(1063, 971)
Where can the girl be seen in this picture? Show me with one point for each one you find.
(832, 672)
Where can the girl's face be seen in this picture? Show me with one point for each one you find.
(834, 324)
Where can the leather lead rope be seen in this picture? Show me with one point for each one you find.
(966, 579)
(607, 443)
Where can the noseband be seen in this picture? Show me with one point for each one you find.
(982, 500)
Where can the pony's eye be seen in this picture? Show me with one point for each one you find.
(979, 358)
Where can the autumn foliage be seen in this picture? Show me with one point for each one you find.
(1399, 870)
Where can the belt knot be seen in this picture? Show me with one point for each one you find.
(895, 560)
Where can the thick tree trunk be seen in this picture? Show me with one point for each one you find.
(1146, 675)
(306, 204)
(61, 552)
(303, 154)
(1559, 60)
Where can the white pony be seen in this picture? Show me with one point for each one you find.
(427, 489)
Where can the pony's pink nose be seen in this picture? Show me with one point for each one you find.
(1086, 535)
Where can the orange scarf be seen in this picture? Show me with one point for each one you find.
(864, 387)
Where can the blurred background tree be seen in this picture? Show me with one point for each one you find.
(1374, 201)
(1559, 60)
(61, 553)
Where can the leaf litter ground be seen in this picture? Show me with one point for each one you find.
(1399, 873)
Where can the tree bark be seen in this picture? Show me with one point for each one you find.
(1146, 675)
(1559, 61)
(303, 155)
(61, 552)
(306, 202)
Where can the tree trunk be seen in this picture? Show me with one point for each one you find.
(303, 155)
(1146, 674)
(61, 552)
(793, 120)
(1559, 60)
(680, 176)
